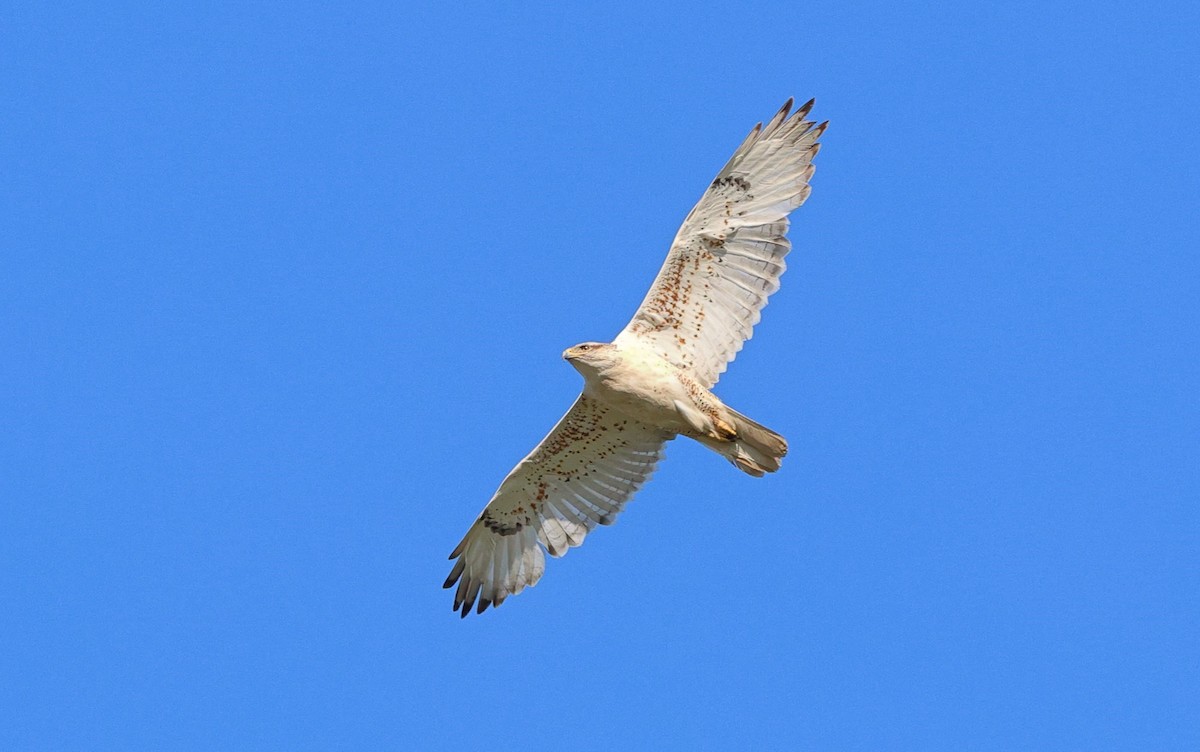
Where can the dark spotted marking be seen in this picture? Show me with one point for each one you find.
(500, 528)
(735, 180)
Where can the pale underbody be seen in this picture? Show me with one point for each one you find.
(637, 382)
(642, 385)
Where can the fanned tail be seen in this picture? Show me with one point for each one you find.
(757, 450)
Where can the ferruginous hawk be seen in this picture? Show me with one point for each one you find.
(652, 383)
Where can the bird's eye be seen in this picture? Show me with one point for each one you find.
(585, 347)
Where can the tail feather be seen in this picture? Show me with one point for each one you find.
(757, 450)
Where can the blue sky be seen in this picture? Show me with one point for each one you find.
(283, 294)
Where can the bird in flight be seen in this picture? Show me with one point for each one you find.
(653, 382)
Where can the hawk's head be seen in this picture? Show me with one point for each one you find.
(592, 356)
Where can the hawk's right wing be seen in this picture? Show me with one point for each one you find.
(728, 255)
(578, 477)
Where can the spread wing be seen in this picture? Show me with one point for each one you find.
(578, 477)
(728, 255)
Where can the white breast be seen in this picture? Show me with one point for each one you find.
(644, 386)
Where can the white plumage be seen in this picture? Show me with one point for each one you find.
(728, 255)
(652, 382)
(578, 477)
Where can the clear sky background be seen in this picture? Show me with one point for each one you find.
(283, 292)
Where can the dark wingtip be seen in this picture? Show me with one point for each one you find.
(806, 108)
(455, 572)
(817, 133)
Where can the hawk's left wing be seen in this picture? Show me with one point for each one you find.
(728, 255)
(580, 476)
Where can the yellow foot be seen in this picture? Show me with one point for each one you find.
(725, 431)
